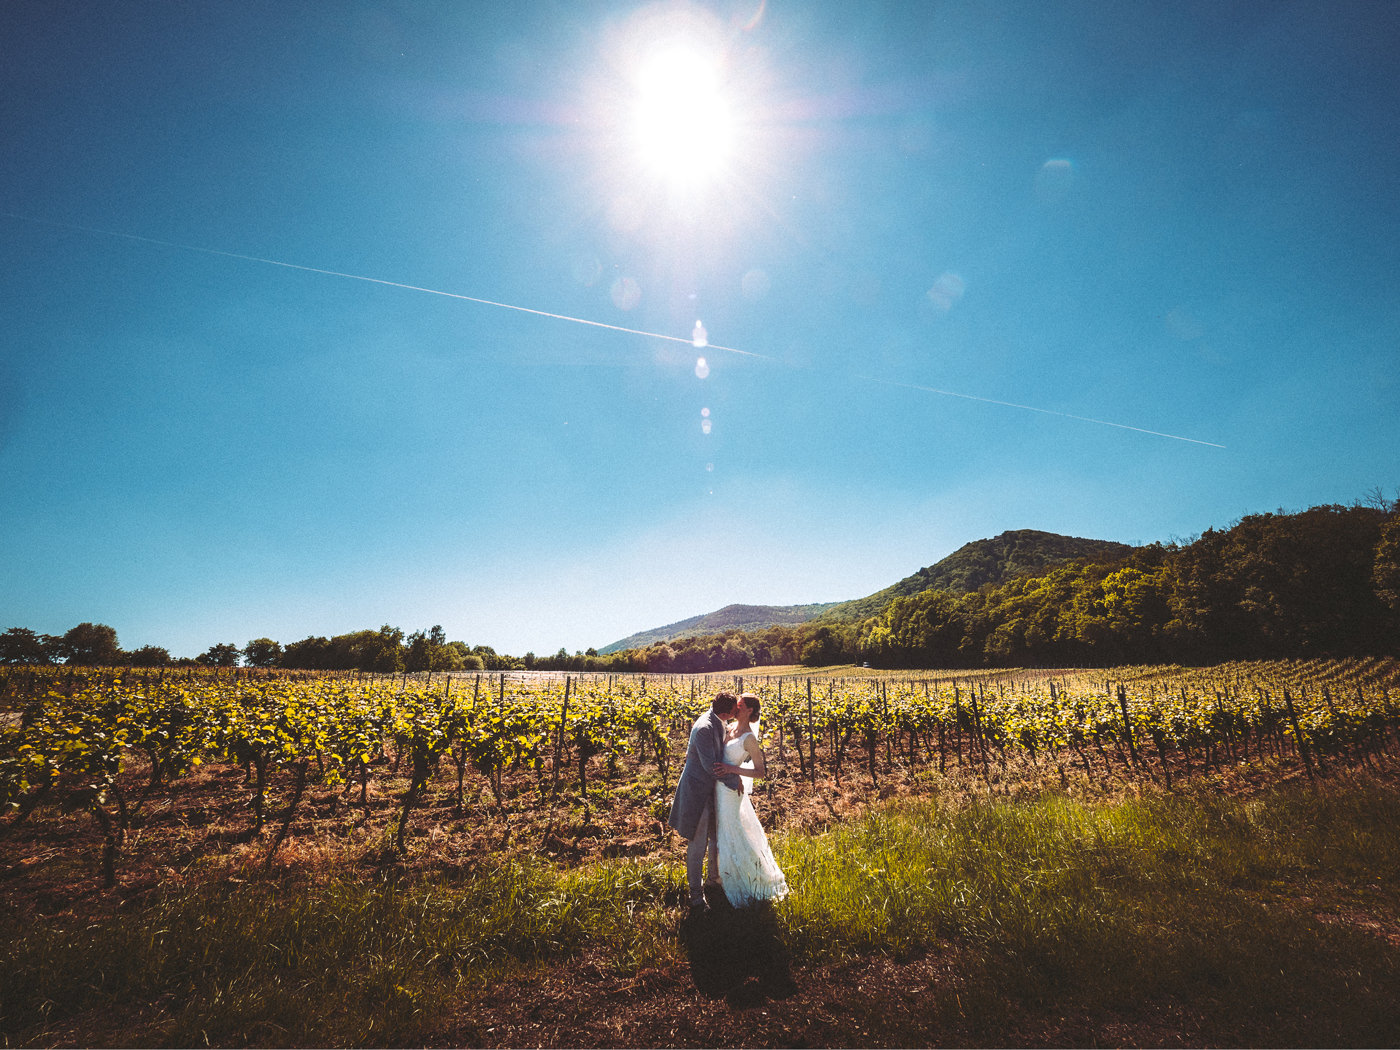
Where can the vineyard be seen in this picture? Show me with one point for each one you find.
(99, 768)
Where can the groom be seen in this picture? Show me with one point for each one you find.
(693, 809)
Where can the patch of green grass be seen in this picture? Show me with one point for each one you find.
(1191, 900)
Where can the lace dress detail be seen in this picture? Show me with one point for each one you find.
(746, 864)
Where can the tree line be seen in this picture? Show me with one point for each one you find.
(1321, 582)
(385, 650)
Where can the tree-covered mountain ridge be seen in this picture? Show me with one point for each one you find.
(1320, 582)
(1015, 553)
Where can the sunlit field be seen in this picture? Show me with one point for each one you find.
(1146, 856)
(587, 353)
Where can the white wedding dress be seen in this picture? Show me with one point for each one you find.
(746, 866)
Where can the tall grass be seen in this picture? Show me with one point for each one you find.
(344, 963)
(1152, 904)
(1189, 905)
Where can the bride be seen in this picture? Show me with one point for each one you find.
(747, 869)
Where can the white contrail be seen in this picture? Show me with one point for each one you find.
(583, 321)
(1032, 408)
(373, 280)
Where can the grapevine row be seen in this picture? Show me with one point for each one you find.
(108, 743)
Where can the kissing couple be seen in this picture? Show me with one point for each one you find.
(712, 808)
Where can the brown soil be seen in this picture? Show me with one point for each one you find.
(871, 1002)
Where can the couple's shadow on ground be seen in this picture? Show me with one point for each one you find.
(737, 953)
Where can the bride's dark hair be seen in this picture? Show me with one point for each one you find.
(754, 705)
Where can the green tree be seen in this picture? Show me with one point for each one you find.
(313, 653)
(20, 645)
(468, 660)
(386, 650)
(149, 656)
(430, 651)
(822, 647)
(89, 645)
(1136, 611)
(262, 652)
(419, 652)
(494, 661)
(380, 650)
(224, 654)
(448, 658)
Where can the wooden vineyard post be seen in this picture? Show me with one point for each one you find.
(837, 749)
(1298, 733)
(957, 722)
(1227, 732)
(942, 753)
(1127, 724)
(811, 739)
(885, 717)
(1266, 726)
(782, 759)
(559, 739)
(981, 739)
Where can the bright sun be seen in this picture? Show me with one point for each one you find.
(682, 122)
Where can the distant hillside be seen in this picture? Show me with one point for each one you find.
(1018, 553)
(743, 617)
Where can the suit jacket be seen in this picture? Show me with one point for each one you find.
(696, 788)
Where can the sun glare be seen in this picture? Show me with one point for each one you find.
(682, 122)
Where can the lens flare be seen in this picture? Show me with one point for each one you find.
(946, 291)
(1055, 180)
(682, 122)
(755, 285)
(699, 338)
(702, 368)
(626, 293)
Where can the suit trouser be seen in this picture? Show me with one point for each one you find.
(703, 841)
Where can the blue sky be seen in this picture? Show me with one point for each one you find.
(1175, 217)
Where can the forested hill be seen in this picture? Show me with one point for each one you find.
(1021, 552)
(1321, 582)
